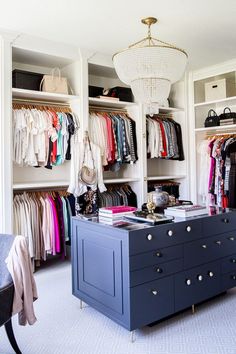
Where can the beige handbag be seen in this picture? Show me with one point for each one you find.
(87, 175)
(54, 83)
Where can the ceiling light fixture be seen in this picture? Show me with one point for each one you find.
(149, 67)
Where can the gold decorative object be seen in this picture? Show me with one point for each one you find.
(150, 205)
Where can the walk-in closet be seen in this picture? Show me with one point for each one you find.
(117, 177)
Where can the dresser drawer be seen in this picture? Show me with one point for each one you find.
(155, 272)
(228, 264)
(208, 249)
(196, 285)
(151, 301)
(159, 255)
(163, 236)
(218, 224)
(228, 281)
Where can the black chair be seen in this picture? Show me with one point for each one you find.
(6, 291)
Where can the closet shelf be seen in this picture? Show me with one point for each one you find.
(36, 185)
(159, 178)
(233, 98)
(42, 96)
(120, 180)
(170, 109)
(217, 128)
(109, 104)
(121, 104)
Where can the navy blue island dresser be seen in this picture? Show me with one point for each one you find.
(139, 274)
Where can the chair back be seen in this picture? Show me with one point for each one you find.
(5, 246)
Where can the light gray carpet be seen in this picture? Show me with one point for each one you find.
(62, 328)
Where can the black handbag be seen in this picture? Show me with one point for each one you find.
(228, 115)
(212, 119)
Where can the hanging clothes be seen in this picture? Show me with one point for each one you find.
(217, 177)
(85, 154)
(42, 137)
(203, 152)
(164, 138)
(91, 201)
(44, 219)
(115, 134)
(117, 195)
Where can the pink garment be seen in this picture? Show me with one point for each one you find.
(19, 265)
(109, 135)
(56, 226)
(45, 226)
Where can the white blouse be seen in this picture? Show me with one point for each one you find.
(76, 187)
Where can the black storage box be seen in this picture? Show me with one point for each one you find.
(95, 91)
(26, 80)
(123, 93)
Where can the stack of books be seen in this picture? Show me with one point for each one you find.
(109, 215)
(184, 211)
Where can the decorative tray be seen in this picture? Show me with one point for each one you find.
(153, 219)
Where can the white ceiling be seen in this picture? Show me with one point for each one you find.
(206, 29)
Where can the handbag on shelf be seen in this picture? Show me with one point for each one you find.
(88, 175)
(212, 119)
(227, 115)
(54, 83)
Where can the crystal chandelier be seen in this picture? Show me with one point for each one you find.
(149, 67)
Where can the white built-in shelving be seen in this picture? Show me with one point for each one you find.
(120, 180)
(170, 109)
(109, 103)
(218, 128)
(162, 178)
(39, 185)
(210, 103)
(42, 96)
(104, 102)
(42, 61)
(81, 68)
(199, 108)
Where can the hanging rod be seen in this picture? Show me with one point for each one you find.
(38, 102)
(220, 134)
(39, 189)
(103, 109)
(160, 115)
